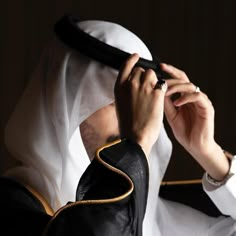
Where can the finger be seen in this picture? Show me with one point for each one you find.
(149, 79)
(171, 82)
(199, 99)
(127, 67)
(181, 88)
(170, 109)
(136, 71)
(135, 77)
(174, 72)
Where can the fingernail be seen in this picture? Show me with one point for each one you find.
(135, 55)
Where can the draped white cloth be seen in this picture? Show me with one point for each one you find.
(43, 133)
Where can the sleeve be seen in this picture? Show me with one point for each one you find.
(224, 196)
(22, 213)
(111, 195)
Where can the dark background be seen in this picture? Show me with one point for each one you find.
(197, 36)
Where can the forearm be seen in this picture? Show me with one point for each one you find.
(213, 161)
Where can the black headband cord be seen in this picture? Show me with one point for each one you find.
(67, 31)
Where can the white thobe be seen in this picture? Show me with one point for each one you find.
(175, 219)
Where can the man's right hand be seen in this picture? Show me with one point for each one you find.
(139, 105)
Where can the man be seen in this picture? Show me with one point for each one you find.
(69, 110)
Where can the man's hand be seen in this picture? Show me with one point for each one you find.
(139, 106)
(191, 118)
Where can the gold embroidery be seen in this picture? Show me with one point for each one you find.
(100, 201)
(45, 204)
(180, 182)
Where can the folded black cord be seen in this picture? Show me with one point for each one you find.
(67, 31)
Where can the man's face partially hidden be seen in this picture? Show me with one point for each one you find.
(100, 128)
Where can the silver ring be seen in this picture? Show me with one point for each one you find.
(197, 90)
(162, 85)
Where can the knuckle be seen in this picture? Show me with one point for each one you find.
(183, 75)
(150, 73)
(193, 86)
(134, 83)
(138, 69)
(146, 90)
(198, 95)
(205, 97)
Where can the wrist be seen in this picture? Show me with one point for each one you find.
(215, 162)
(232, 170)
(145, 146)
(145, 141)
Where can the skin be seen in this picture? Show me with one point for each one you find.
(191, 118)
(100, 128)
(139, 106)
(138, 116)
